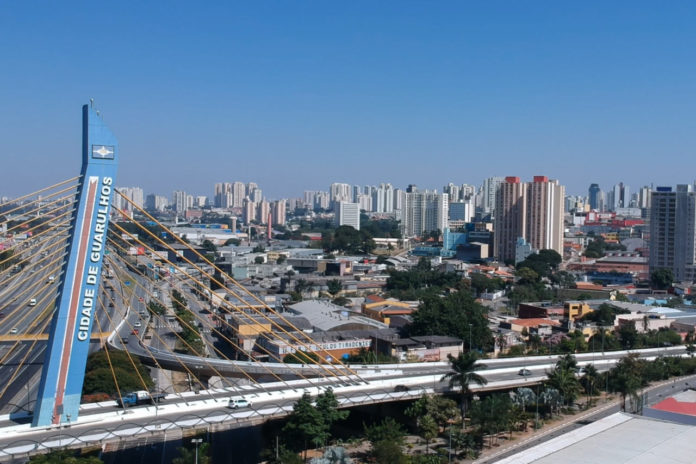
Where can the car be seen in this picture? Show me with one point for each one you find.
(14, 331)
(140, 299)
(524, 372)
(125, 340)
(32, 302)
(135, 332)
(2, 315)
(238, 403)
(401, 388)
(138, 324)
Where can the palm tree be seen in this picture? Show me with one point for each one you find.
(564, 380)
(625, 377)
(463, 374)
(589, 381)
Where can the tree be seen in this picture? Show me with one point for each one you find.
(388, 452)
(281, 259)
(327, 405)
(428, 430)
(302, 357)
(386, 439)
(208, 246)
(661, 279)
(589, 381)
(258, 260)
(387, 430)
(455, 315)
(187, 455)
(625, 377)
(334, 286)
(563, 379)
(305, 425)
(463, 375)
(64, 457)
(99, 377)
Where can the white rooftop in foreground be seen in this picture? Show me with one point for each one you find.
(619, 438)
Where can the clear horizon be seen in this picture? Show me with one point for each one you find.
(297, 96)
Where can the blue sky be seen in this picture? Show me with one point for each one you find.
(296, 95)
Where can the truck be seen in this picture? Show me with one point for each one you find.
(140, 397)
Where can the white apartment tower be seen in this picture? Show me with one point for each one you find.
(348, 214)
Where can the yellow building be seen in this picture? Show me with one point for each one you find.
(576, 309)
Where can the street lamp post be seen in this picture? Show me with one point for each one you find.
(470, 345)
(197, 441)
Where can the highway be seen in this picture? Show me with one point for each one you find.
(105, 421)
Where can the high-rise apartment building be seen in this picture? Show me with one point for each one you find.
(340, 192)
(238, 194)
(263, 209)
(532, 211)
(249, 211)
(673, 231)
(278, 212)
(510, 218)
(134, 194)
(545, 205)
(488, 192)
(347, 214)
(424, 212)
(156, 202)
(179, 199)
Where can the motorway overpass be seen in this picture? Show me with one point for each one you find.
(105, 422)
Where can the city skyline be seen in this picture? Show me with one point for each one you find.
(583, 93)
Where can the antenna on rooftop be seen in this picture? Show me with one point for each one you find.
(91, 102)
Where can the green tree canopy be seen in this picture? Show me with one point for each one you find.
(456, 315)
(661, 279)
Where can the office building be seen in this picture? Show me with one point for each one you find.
(594, 194)
(347, 214)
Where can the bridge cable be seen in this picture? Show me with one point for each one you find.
(33, 245)
(222, 335)
(23, 206)
(156, 362)
(23, 292)
(244, 289)
(281, 329)
(205, 359)
(183, 341)
(239, 312)
(201, 319)
(14, 200)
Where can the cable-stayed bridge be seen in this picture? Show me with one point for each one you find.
(80, 272)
